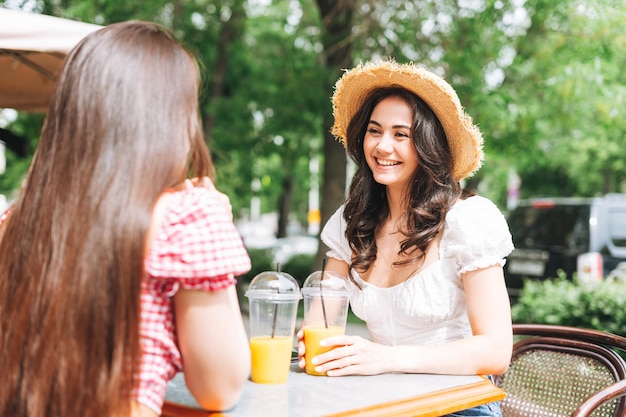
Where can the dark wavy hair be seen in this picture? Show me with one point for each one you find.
(432, 189)
(122, 127)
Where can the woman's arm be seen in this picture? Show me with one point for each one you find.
(488, 351)
(214, 346)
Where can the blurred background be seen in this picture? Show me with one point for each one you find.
(543, 79)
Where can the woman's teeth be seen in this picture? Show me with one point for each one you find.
(386, 163)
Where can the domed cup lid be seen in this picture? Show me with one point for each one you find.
(274, 286)
(331, 283)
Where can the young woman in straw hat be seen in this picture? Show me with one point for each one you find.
(112, 274)
(424, 259)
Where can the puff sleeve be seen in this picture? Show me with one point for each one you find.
(476, 235)
(334, 236)
(197, 246)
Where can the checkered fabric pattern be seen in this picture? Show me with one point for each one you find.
(197, 247)
(4, 216)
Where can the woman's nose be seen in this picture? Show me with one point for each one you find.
(386, 143)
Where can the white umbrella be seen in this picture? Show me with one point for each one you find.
(32, 49)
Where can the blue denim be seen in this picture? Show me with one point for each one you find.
(485, 410)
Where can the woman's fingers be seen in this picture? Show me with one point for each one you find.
(352, 355)
(301, 349)
(204, 182)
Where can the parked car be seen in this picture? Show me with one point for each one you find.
(586, 237)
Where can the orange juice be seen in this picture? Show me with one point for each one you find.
(312, 337)
(271, 359)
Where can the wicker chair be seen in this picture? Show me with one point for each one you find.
(560, 371)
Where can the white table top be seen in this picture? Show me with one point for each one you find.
(314, 396)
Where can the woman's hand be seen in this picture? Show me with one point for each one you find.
(352, 355)
(301, 348)
(198, 182)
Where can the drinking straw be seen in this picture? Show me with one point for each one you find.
(275, 305)
(322, 294)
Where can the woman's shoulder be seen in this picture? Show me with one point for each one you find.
(474, 210)
(333, 236)
(194, 203)
(476, 222)
(196, 238)
(335, 225)
(197, 213)
(475, 204)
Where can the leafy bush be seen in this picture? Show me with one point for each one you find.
(299, 266)
(564, 302)
(261, 261)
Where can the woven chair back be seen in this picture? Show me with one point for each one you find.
(553, 376)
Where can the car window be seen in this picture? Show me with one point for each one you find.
(563, 226)
(617, 229)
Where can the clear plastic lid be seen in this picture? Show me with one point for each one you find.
(330, 283)
(274, 285)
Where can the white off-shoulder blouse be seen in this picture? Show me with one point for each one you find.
(429, 308)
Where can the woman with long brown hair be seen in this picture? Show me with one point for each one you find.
(423, 258)
(112, 273)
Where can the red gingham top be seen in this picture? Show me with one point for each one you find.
(196, 247)
(4, 216)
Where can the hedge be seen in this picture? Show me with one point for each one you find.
(560, 301)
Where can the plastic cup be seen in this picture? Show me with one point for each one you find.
(326, 301)
(273, 304)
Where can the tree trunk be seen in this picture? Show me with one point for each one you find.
(337, 20)
(231, 29)
(283, 205)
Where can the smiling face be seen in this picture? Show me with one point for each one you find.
(388, 143)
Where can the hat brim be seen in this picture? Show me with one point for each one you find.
(464, 137)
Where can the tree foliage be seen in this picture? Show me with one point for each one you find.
(568, 96)
(542, 79)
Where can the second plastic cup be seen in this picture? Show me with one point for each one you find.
(326, 304)
(273, 303)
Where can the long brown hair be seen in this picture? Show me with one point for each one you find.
(431, 193)
(121, 128)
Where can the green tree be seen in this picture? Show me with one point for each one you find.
(542, 79)
(565, 95)
(338, 20)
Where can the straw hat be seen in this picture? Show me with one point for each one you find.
(464, 138)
